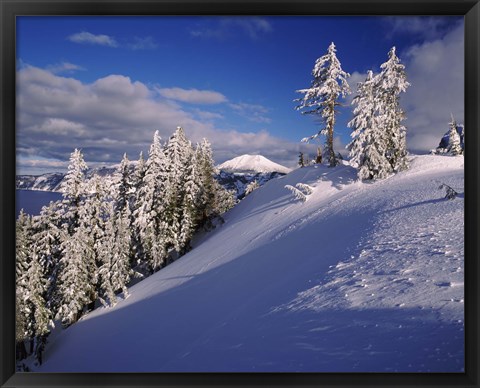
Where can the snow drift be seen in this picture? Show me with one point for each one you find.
(359, 277)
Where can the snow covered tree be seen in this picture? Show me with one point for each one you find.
(23, 248)
(328, 85)
(36, 292)
(78, 288)
(123, 186)
(123, 192)
(48, 234)
(138, 254)
(178, 153)
(253, 185)
(369, 145)
(206, 170)
(318, 158)
(33, 314)
(114, 250)
(189, 216)
(301, 161)
(392, 81)
(214, 200)
(93, 216)
(73, 188)
(454, 146)
(151, 207)
(75, 286)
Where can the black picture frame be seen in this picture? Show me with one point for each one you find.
(9, 9)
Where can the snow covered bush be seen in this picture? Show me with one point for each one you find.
(450, 192)
(296, 193)
(306, 189)
(251, 186)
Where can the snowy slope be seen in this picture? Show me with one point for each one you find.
(359, 277)
(252, 163)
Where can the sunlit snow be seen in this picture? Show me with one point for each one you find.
(361, 277)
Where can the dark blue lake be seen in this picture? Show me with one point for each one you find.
(32, 201)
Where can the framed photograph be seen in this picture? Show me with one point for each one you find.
(244, 193)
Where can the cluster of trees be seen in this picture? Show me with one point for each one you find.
(378, 147)
(86, 247)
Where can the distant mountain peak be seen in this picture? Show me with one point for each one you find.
(252, 163)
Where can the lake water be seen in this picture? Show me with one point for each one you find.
(32, 201)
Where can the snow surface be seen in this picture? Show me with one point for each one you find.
(252, 163)
(360, 277)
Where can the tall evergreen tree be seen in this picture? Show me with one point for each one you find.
(151, 207)
(206, 183)
(37, 304)
(137, 255)
(114, 250)
(48, 239)
(369, 144)
(93, 216)
(178, 153)
(75, 286)
(73, 189)
(328, 85)
(392, 81)
(23, 249)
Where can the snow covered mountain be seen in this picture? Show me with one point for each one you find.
(249, 168)
(52, 181)
(252, 164)
(45, 182)
(360, 277)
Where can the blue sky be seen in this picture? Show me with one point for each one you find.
(105, 84)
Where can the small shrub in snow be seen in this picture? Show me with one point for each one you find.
(296, 193)
(251, 186)
(450, 192)
(306, 189)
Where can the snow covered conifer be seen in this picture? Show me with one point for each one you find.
(178, 153)
(207, 181)
(151, 207)
(73, 186)
(137, 254)
(123, 185)
(454, 145)
(75, 287)
(78, 279)
(24, 317)
(253, 185)
(392, 81)
(114, 271)
(318, 158)
(189, 209)
(328, 85)
(48, 240)
(301, 161)
(369, 144)
(36, 292)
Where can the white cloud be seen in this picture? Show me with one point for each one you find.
(435, 70)
(85, 37)
(114, 115)
(192, 96)
(226, 27)
(253, 112)
(353, 81)
(429, 27)
(146, 43)
(64, 67)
